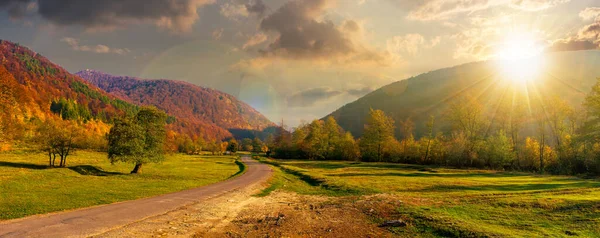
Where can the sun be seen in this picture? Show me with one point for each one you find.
(519, 57)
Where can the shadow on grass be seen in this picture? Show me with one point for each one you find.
(341, 164)
(22, 165)
(92, 171)
(242, 168)
(434, 174)
(508, 187)
(318, 182)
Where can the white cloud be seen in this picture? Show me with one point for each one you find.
(234, 11)
(101, 49)
(428, 10)
(410, 44)
(255, 40)
(590, 13)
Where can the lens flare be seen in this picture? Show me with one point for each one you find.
(520, 57)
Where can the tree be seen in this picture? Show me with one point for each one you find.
(430, 125)
(223, 147)
(257, 145)
(247, 144)
(497, 151)
(316, 141)
(232, 146)
(541, 131)
(347, 148)
(466, 117)
(379, 132)
(408, 144)
(591, 129)
(333, 135)
(58, 138)
(139, 140)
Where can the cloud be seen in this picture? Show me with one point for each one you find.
(302, 35)
(359, 92)
(428, 10)
(587, 38)
(255, 40)
(590, 13)
(17, 8)
(409, 44)
(257, 7)
(475, 43)
(175, 15)
(535, 5)
(234, 11)
(217, 33)
(442, 9)
(101, 49)
(572, 45)
(591, 31)
(238, 9)
(311, 96)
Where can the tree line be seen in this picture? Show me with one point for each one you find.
(543, 135)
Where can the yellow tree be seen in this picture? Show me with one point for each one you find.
(467, 120)
(378, 133)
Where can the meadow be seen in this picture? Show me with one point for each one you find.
(446, 202)
(28, 186)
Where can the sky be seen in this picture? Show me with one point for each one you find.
(294, 60)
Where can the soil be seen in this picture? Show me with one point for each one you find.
(281, 214)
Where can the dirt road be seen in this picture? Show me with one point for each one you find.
(100, 219)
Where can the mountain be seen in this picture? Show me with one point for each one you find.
(34, 87)
(197, 109)
(566, 75)
(34, 91)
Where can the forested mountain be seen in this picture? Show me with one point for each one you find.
(198, 110)
(33, 85)
(35, 91)
(499, 87)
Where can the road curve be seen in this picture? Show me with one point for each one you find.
(95, 220)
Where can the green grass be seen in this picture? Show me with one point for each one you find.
(457, 203)
(28, 187)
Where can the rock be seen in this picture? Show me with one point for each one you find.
(393, 223)
(570, 233)
(280, 219)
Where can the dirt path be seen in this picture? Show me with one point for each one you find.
(105, 219)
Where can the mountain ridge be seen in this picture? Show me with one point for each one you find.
(204, 108)
(430, 93)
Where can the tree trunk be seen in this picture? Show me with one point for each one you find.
(427, 151)
(137, 169)
(50, 159)
(62, 161)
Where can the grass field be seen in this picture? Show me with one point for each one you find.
(28, 187)
(455, 203)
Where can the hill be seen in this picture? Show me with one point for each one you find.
(197, 109)
(34, 90)
(32, 83)
(566, 75)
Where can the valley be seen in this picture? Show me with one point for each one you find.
(299, 118)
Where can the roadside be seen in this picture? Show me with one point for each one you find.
(100, 219)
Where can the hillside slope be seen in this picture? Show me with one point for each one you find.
(567, 75)
(31, 83)
(207, 110)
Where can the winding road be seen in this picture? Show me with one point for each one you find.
(96, 220)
